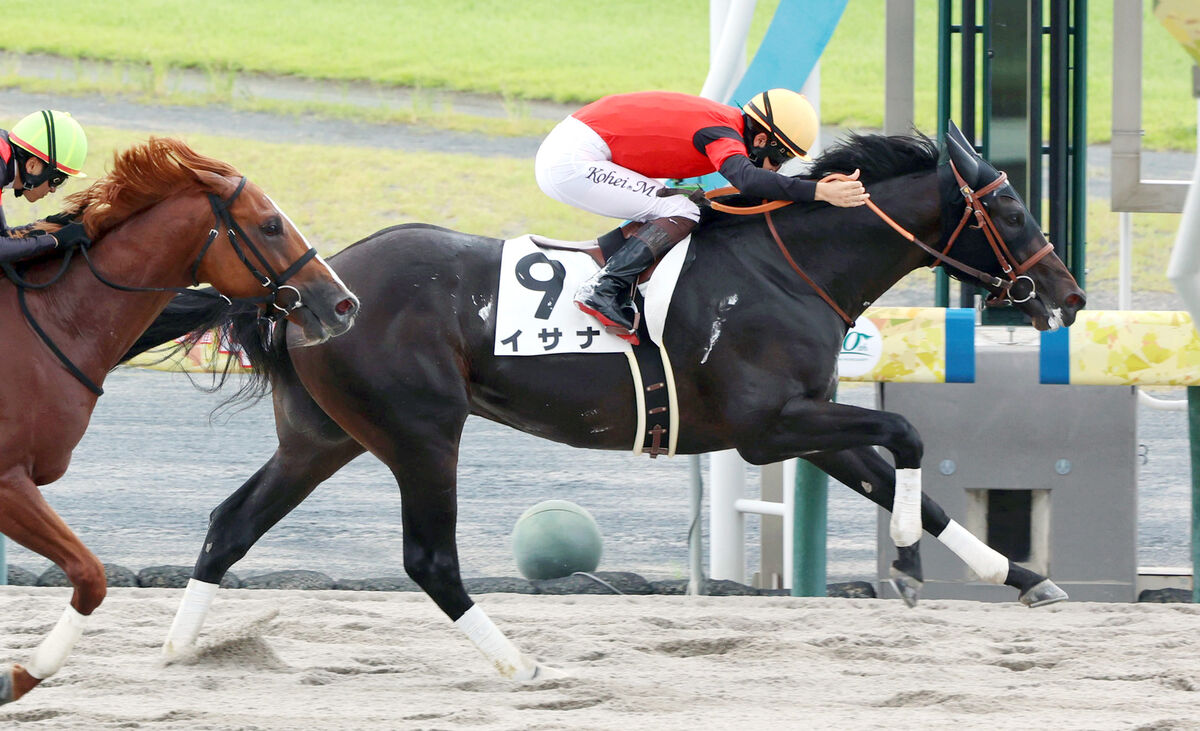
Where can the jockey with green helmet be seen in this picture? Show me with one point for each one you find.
(36, 157)
(610, 156)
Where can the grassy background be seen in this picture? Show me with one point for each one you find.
(561, 50)
(357, 191)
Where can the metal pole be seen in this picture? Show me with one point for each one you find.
(898, 67)
(3, 563)
(727, 51)
(1079, 78)
(726, 527)
(941, 293)
(1193, 393)
(695, 537)
(808, 536)
(1125, 259)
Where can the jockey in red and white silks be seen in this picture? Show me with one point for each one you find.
(608, 158)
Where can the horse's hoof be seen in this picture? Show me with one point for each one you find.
(545, 672)
(1043, 593)
(172, 653)
(906, 586)
(6, 685)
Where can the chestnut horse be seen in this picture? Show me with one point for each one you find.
(753, 346)
(165, 218)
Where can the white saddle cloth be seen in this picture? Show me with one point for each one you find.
(536, 312)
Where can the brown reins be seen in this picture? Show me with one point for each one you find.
(765, 208)
(1013, 269)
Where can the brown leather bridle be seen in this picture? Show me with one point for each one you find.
(1012, 269)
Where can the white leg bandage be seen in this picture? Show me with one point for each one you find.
(52, 653)
(987, 563)
(497, 648)
(197, 598)
(906, 509)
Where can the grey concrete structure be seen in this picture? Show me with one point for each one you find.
(1046, 473)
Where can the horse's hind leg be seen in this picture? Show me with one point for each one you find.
(864, 471)
(304, 459)
(428, 486)
(26, 518)
(416, 434)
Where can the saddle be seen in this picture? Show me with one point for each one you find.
(600, 248)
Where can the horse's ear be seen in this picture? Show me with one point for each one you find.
(217, 183)
(962, 153)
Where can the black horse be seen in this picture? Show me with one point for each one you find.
(402, 383)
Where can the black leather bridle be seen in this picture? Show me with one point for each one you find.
(241, 243)
(276, 282)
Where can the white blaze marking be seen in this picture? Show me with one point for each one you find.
(304, 238)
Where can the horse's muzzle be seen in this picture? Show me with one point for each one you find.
(323, 314)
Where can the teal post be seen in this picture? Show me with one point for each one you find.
(808, 530)
(3, 563)
(1193, 393)
(941, 291)
(810, 512)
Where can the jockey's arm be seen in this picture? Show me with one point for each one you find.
(18, 248)
(758, 183)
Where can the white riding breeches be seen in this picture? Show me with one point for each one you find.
(574, 166)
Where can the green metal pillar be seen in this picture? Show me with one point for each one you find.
(1193, 394)
(1078, 215)
(3, 563)
(941, 285)
(810, 517)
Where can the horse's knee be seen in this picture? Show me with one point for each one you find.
(90, 582)
(430, 568)
(437, 573)
(905, 444)
(222, 549)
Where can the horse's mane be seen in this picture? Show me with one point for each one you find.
(876, 157)
(141, 176)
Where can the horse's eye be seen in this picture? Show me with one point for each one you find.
(271, 227)
(1014, 219)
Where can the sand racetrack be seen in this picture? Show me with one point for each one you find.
(372, 660)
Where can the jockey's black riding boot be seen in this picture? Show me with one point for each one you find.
(608, 295)
(26, 248)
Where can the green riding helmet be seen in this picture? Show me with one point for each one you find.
(53, 137)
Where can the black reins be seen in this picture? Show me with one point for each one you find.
(238, 239)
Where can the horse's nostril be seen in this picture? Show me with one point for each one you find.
(346, 307)
(1076, 301)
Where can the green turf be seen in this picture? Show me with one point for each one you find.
(338, 195)
(536, 49)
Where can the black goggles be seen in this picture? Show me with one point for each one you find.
(57, 178)
(780, 150)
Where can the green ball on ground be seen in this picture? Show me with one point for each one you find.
(556, 538)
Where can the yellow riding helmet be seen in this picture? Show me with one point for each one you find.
(53, 137)
(787, 116)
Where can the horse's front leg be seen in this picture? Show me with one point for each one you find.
(867, 473)
(806, 426)
(28, 519)
(301, 463)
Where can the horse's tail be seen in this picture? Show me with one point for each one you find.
(190, 315)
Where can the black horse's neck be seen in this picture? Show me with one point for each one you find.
(851, 253)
